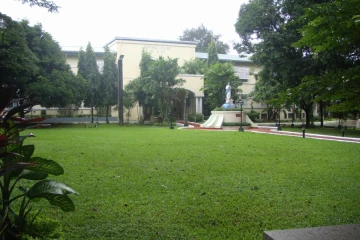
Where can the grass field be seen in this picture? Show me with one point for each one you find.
(155, 183)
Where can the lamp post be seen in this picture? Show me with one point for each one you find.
(279, 128)
(185, 108)
(293, 116)
(303, 130)
(171, 126)
(240, 102)
(121, 92)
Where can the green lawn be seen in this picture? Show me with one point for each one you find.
(155, 183)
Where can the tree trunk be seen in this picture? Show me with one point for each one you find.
(107, 114)
(321, 113)
(92, 114)
(307, 117)
(307, 109)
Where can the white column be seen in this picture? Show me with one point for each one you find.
(200, 105)
(198, 102)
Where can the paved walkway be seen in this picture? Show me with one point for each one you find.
(273, 130)
(307, 135)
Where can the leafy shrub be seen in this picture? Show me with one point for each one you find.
(253, 115)
(229, 124)
(17, 163)
(43, 113)
(226, 109)
(199, 117)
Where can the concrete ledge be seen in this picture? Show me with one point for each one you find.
(341, 232)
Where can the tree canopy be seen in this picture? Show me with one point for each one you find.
(109, 81)
(34, 65)
(50, 5)
(157, 84)
(217, 76)
(203, 37)
(308, 50)
(268, 29)
(88, 69)
(331, 31)
(195, 66)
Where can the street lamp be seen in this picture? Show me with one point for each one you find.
(279, 128)
(185, 108)
(293, 115)
(240, 102)
(171, 126)
(120, 91)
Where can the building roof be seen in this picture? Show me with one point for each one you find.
(224, 57)
(74, 50)
(151, 40)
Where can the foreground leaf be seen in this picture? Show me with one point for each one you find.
(54, 192)
(45, 165)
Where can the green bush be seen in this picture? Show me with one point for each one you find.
(43, 113)
(199, 117)
(253, 115)
(23, 177)
(226, 109)
(229, 124)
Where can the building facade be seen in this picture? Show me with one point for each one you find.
(131, 49)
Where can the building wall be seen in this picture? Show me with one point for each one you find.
(132, 49)
(193, 83)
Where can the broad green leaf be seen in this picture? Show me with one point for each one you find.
(27, 151)
(33, 175)
(61, 201)
(24, 154)
(8, 168)
(45, 165)
(50, 186)
(54, 192)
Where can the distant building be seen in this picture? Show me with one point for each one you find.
(132, 48)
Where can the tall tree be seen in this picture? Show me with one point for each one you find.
(54, 85)
(212, 53)
(195, 66)
(273, 26)
(217, 76)
(164, 79)
(33, 63)
(109, 83)
(157, 84)
(331, 32)
(138, 90)
(203, 37)
(212, 59)
(17, 62)
(88, 69)
(81, 63)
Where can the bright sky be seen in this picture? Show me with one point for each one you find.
(81, 21)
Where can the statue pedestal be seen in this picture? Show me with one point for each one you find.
(228, 106)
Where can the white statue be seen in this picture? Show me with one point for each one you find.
(228, 94)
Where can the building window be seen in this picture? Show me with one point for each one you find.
(290, 115)
(243, 73)
(264, 116)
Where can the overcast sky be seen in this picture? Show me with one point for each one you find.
(81, 21)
